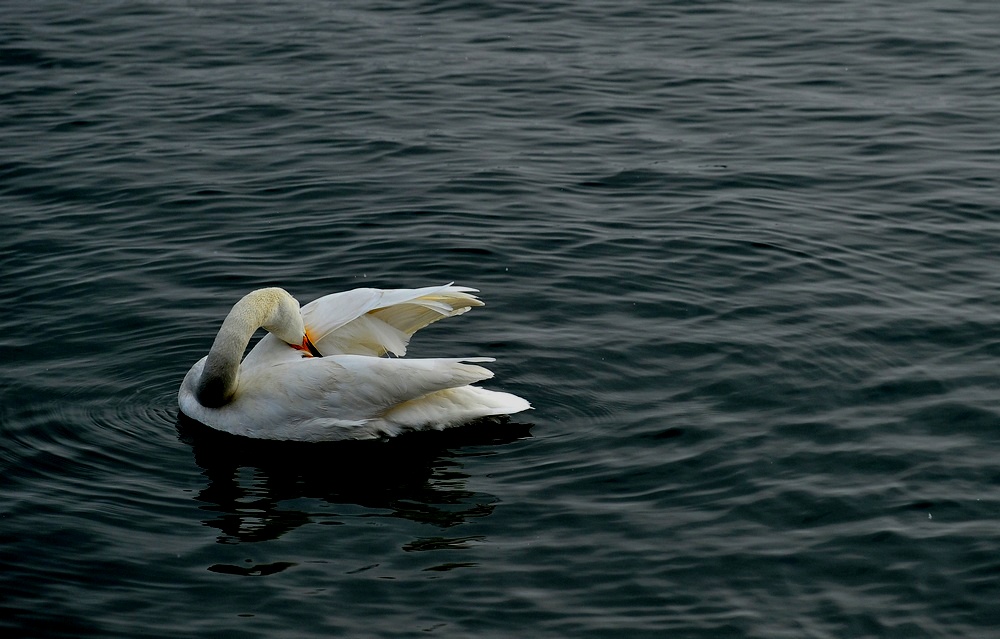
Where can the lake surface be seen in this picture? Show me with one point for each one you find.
(742, 257)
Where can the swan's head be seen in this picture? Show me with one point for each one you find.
(284, 319)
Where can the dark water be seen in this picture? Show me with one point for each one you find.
(741, 257)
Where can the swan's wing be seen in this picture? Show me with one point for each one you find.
(369, 321)
(340, 396)
(377, 385)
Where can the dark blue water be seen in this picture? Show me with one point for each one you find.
(741, 257)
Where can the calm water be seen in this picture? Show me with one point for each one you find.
(741, 256)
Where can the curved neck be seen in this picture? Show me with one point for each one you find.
(220, 376)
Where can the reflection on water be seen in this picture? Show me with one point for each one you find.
(255, 487)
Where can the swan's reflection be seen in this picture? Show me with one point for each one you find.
(252, 484)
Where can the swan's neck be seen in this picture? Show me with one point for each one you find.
(220, 376)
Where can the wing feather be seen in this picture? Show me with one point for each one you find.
(368, 321)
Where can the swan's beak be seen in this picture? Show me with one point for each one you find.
(307, 347)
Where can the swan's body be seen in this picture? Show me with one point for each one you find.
(318, 375)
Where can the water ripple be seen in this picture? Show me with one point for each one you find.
(741, 258)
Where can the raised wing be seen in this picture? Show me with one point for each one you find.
(371, 321)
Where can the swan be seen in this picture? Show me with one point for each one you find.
(319, 374)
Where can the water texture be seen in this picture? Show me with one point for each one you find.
(741, 257)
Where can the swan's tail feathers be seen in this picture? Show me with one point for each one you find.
(375, 322)
(454, 406)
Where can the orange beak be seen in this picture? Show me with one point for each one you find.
(307, 347)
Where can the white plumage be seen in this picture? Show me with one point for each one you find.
(319, 374)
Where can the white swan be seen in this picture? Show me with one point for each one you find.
(318, 375)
